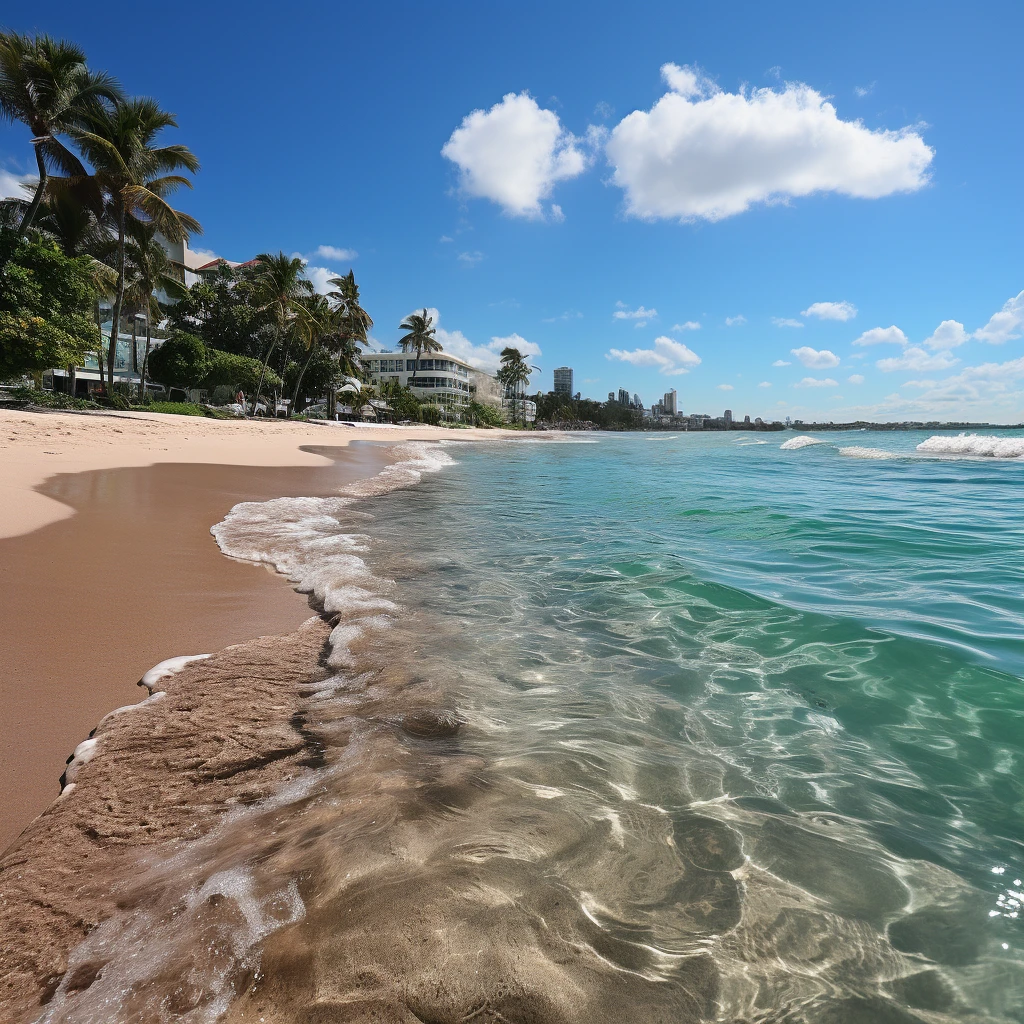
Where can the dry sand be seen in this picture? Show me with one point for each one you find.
(90, 601)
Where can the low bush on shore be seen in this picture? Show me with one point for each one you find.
(175, 408)
(50, 399)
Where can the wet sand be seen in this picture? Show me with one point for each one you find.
(89, 603)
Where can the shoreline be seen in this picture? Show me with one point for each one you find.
(107, 565)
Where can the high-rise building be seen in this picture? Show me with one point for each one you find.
(563, 380)
(669, 402)
(636, 401)
(728, 417)
(611, 396)
(623, 396)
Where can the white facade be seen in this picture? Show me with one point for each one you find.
(441, 377)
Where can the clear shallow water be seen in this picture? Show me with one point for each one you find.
(741, 740)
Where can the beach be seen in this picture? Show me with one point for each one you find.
(105, 533)
(523, 741)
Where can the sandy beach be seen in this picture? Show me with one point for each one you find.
(107, 565)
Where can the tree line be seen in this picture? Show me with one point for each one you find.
(89, 230)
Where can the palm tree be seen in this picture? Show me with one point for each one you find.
(45, 84)
(420, 337)
(314, 322)
(515, 375)
(135, 177)
(277, 287)
(353, 325)
(149, 270)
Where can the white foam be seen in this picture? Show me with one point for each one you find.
(979, 445)
(803, 441)
(854, 452)
(168, 668)
(84, 753)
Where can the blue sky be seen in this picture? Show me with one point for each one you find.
(671, 164)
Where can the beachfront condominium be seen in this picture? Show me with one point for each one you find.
(669, 403)
(563, 380)
(443, 379)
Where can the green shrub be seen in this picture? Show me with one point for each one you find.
(430, 414)
(237, 372)
(485, 415)
(51, 399)
(182, 361)
(176, 408)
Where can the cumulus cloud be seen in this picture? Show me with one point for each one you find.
(917, 359)
(765, 384)
(514, 154)
(689, 325)
(815, 359)
(700, 152)
(669, 356)
(735, 321)
(785, 321)
(831, 310)
(1005, 325)
(320, 276)
(856, 378)
(332, 252)
(483, 357)
(815, 382)
(725, 387)
(949, 334)
(782, 362)
(12, 186)
(882, 336)
(470, 259)
(624, 313)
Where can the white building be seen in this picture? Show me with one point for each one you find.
(440, 378)
(669, 403)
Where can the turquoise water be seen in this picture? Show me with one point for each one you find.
(654, 728)
(812, 656)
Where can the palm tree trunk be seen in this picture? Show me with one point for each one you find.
(145, 363)
(302, 373)
(263, 375)
(99, 351)
(72, 378)
(30, 213)
(118, 300)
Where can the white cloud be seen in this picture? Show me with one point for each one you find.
(332, 252)
(319, 277)
(484, 357)
(1005, 325)
(765, 384)
(831, 310)
(622, 313)
(785, 321)
(470, 259)
(860, 91)
(725, 387)
(514, 154)
(446, 238)
(815, 359)
(569, 314)
(856, 378)
(916, 359)
(556, 214)
(882, 336)
(782, 362)
(689, 325)
(11, 184)
(669, 356)
(735, 321)
(815, 382)
(704, 153)
(949, 334)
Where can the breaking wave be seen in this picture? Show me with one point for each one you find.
(979, 445)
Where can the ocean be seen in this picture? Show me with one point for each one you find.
(645, 727)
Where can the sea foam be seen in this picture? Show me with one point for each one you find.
(981, 445)
(803, 441)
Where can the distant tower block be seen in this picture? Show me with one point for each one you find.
(728, 417)
(669, 402)
(563, 380)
